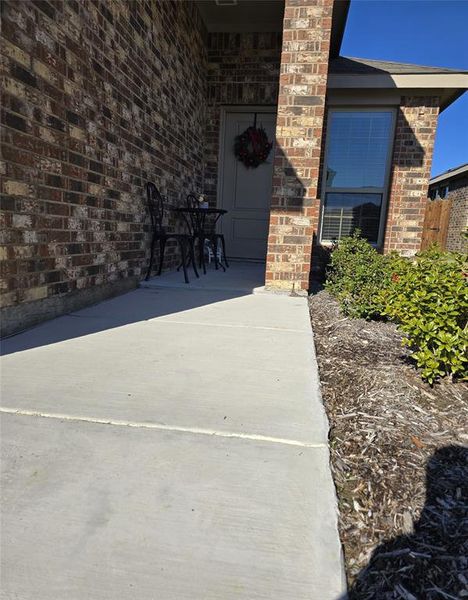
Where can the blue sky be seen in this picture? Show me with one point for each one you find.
(423, 32)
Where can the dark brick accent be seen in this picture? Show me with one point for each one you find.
(23, 75)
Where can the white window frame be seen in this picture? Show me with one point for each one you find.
(384, 190)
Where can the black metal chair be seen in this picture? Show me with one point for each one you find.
(205, 229)
(184, 240)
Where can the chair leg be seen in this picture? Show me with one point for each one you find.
(200, 257)
(214, 243)
(201, 251)
(148, 272)
(192, 257)
(184, 259)
(162, 247)
(223, 244)
(189, 258)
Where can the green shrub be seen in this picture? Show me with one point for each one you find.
(428, 298)
(356, 275)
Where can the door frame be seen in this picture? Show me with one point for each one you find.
(234, 108)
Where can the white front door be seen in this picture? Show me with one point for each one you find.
(246, 193)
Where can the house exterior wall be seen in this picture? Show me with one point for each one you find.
(411, 165)
(301, 106)
(243, 69)
(98, 97)
(458, 223)
(411, 160)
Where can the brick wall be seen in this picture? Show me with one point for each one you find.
(411, 166)
(458, 223)
(243, 69)
(101, 96)
(98, 97)
(301, 105)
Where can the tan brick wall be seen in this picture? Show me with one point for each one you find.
(458, 223)
(98, 97)
(301, 106)
(411, 167)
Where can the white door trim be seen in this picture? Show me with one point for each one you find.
(244, 108)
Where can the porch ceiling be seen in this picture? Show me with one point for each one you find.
(242, 15)
(262, 15)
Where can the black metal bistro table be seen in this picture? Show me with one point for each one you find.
(196, 220)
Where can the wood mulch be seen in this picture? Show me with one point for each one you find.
(399, 460)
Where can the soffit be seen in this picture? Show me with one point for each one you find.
(370, 75)
(243, 16)
(262, 15)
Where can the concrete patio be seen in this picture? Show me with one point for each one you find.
(169, 443)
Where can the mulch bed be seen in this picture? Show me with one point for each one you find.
(399, 460)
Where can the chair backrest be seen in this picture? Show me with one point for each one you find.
(208, 222)
(192, 201)
(194, 220)
(155, 206)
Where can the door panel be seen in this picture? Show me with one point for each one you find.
(246, 193)
(249, 229)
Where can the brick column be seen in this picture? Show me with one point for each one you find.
(411, 168)
(301, 107)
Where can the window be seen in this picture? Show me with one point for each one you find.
(356, 175)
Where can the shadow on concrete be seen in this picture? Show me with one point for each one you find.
(162, 296)
(431, 562)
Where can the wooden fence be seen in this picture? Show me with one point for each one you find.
(436, 221)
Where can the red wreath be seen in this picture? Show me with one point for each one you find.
(252, 147)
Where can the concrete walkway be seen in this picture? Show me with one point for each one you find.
(169, 444)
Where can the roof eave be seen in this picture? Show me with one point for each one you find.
(450, 98)
(339, 17)
(452, 174)
(449, 86)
